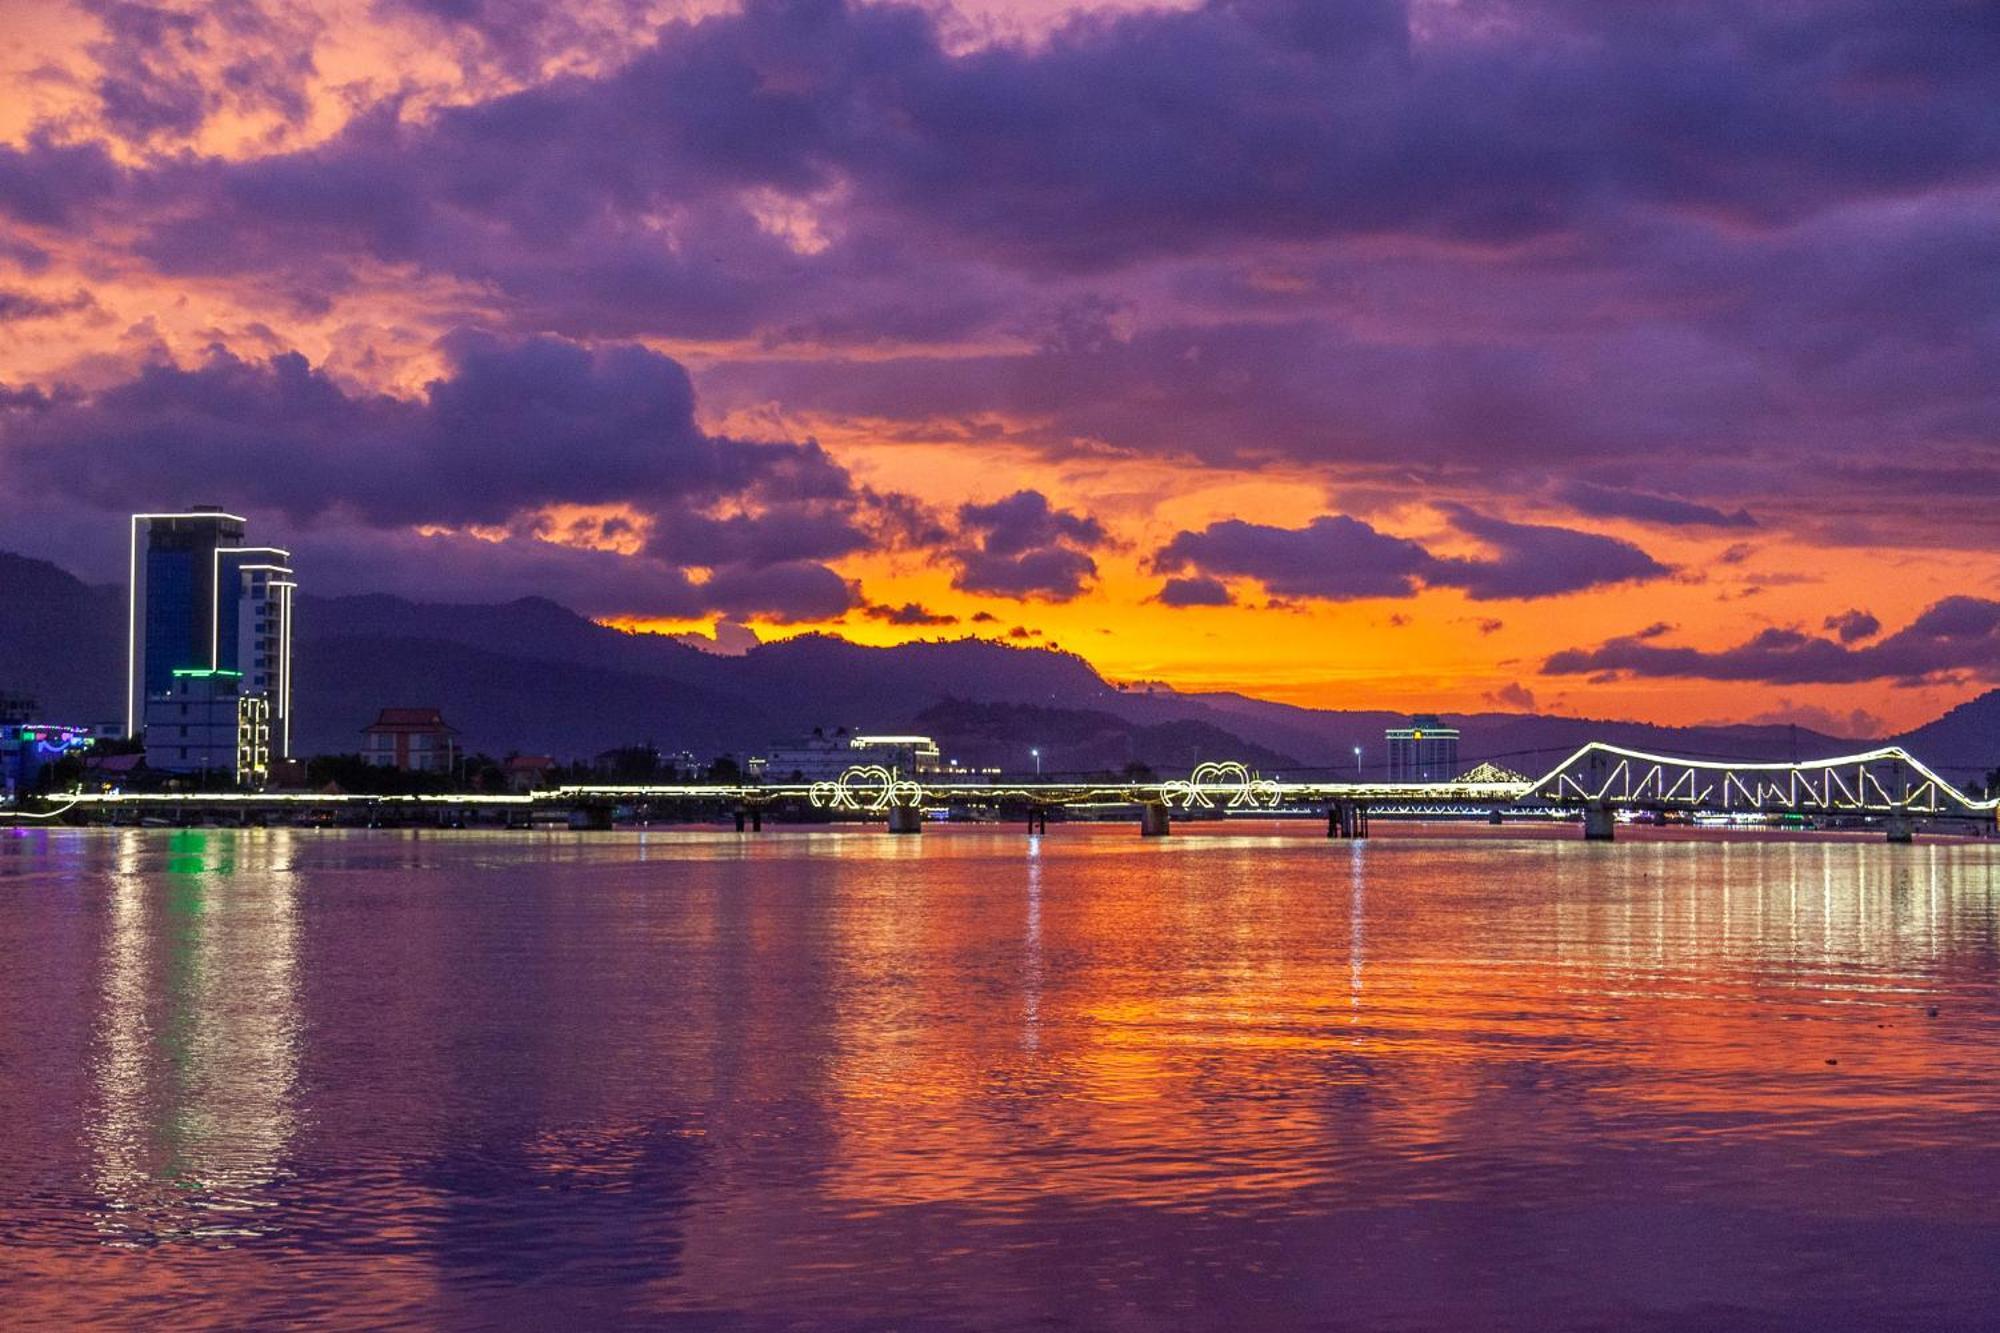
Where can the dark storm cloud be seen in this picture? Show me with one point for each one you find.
(519, 35)
(1116, 139)
(44, 183)
(16, 306)
(1595, 501)
(457, 567)
(1025, 520)
(1338, 558)
(516, 426)
(1953, 636)
(1531, 560)
(146, 86)
(1853, 626)
(794, 590)
(1197, 591)
(1333, 557)
(1235, 392)
(1056, 573)
(1023, 547)
(166, 71)
(1482, 244)
(909, 613)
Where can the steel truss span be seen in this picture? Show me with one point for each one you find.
(1889, 780)
(1885, 781)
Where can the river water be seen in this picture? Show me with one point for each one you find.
(1243, 1077)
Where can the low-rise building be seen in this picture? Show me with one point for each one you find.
(816, 758)
(526, 772)
(821, 757)
(415, 740)
(205, 724)
(111, 772)
(26, 748)
(907, 755)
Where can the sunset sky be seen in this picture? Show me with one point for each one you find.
(1594, 356)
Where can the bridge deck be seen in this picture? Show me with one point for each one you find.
(1887, 780)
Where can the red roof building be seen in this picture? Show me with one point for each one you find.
(416, 740)
(525, 772)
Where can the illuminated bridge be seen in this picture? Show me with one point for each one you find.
(1597, 783)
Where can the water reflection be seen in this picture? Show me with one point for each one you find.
(196, 1041)
(1031, 957)
(978, 1080)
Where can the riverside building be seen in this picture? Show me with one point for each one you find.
(201, 601)
(1424, 751)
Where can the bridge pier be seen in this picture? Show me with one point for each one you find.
(1900, 827)
(906, 819)
(749, 818)
(1038, 820)
(1347, 819)
(1154, 821)
(595, 818)
(1600, 824)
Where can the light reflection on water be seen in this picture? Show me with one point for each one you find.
(196, 1048)
(1437, 1078)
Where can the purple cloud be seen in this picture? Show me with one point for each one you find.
(1333, 557)
(513, 428)
(165, 71)
(44, 183)
(1025, 520)
(909, 613)
(1531, 560)
(1593, 501)
(1339, 558)
(1737, 252)
(1198, 591)
(1023, 547)
(1958, 635)
(17, 306)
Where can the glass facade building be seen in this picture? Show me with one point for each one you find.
(1424, 751)
(202, 601)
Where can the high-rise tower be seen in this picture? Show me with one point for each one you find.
(201, 600)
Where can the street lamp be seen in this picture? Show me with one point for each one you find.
(1357, 763)
(1038, 761)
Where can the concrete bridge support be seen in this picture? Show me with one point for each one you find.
(590, 817)
(1347, 819)
(1038, 819)
(906, 819)
(1900, 827)
(1154, 821)
(1600, 823)
(749, 819)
